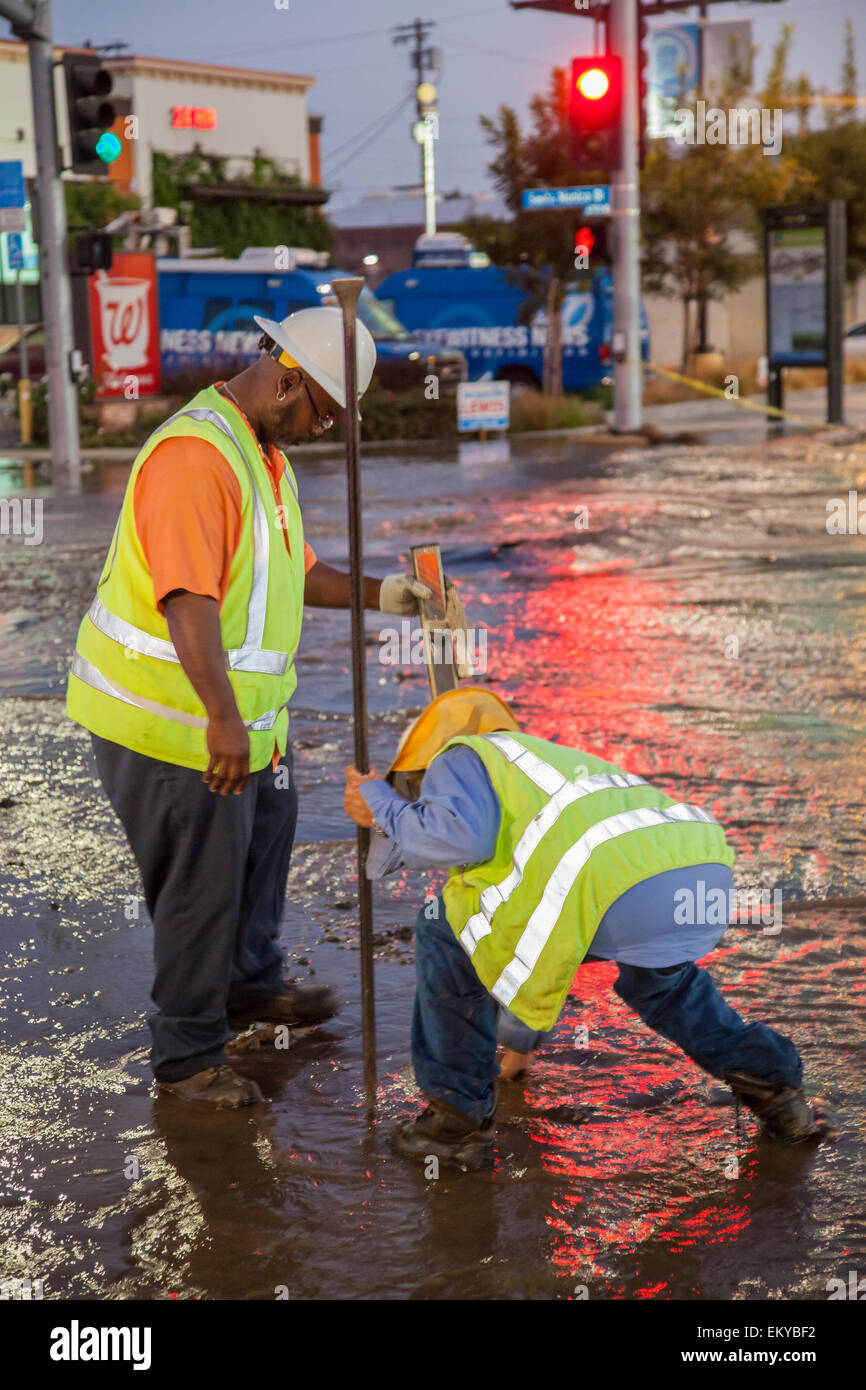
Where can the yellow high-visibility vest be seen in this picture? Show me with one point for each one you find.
(127, 684)
(575, 833)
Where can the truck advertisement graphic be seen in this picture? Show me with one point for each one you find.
(206, 310)
(475, 309)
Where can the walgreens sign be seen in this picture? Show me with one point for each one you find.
(124, 327)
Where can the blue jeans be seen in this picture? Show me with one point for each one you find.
(454, 1026)
(512, 1032)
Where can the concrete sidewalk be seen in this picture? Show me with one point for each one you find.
(732, 421)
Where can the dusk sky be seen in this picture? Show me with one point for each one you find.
(491, 54)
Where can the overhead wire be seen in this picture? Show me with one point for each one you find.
(381, 125)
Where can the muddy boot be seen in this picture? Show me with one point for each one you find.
(783, 1112)
(257, 1038)
(219, 1087)
(442, 1132)
(513, 1064)
(296, 1005)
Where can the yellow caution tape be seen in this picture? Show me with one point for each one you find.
(740, 400)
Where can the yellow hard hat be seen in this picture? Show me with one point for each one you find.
(470, 710)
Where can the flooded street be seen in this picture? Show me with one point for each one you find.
(683, 612)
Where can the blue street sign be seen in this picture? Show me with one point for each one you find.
(13, 193)
(15, 248)
(592, 198)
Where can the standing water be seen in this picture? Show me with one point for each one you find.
(684, 613)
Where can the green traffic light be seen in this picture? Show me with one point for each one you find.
(108, 147)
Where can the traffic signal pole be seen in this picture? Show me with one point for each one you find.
(56, 294)
(31, 20)
(622, 18)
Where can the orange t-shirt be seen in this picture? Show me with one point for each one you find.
(187, 509)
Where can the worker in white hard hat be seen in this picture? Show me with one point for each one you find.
(182, 673)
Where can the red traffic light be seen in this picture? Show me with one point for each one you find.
(593, 84)
(584, 240)
(594, 111)
(596, 91)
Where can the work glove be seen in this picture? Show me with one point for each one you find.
(399, 594)
(455, 613)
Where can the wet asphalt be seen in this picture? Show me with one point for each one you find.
(684, 612)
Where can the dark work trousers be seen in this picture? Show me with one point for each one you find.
(454, 1024)
(214, 871)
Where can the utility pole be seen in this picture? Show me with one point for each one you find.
(31, 20)
(702, 69)
(625, 215)
(426, 128)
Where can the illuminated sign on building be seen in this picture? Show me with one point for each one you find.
(194, 117)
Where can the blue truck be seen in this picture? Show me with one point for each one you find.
(452, 297)
(206, 309)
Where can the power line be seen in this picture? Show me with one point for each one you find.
(338, 38)
(359, 134)
(382, 125)
(500, 53)
(297, 43)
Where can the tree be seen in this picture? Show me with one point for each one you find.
(834, 157)
(233, 225)
(536, 248)
(701, 205)
(93, 203)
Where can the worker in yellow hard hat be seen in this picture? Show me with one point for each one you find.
(555, 857)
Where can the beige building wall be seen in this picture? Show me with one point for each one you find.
(256, 112)
(16, 107)
(735, 325)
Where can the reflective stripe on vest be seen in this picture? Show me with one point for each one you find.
(251, 656)
(546, 914)
(91, 675)
(562, 792)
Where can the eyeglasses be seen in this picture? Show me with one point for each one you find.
(325, 421)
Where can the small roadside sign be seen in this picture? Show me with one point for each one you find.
(13, 196)
(15, 250)
(483, 405)
(13, 191)
(592, 197)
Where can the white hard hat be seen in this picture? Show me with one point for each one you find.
(313, 340)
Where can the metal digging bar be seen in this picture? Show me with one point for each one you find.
(347, 291)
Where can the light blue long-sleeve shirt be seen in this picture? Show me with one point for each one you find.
(456, 821)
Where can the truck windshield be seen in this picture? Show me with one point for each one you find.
(376, 317)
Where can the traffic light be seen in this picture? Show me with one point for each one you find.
(584, 240)
(595, 110)
(592, 247)
(92, 144)
(92, 251)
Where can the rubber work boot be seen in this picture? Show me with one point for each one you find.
(440, 1131)
(219, 1087)
(783, 1112)
(296, 1005)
